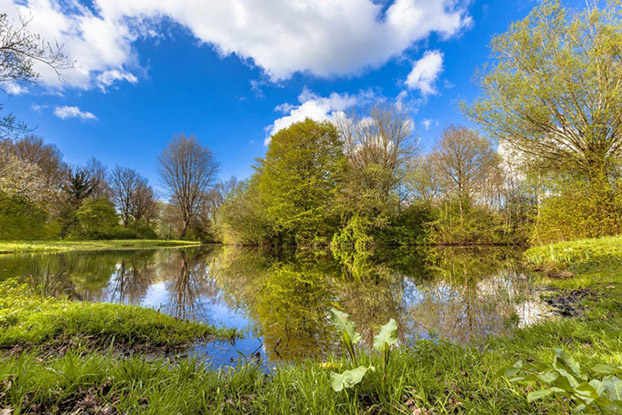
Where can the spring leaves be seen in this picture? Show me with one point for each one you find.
(565, 378)
(349, 337)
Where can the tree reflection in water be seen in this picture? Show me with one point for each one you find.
(285, 297)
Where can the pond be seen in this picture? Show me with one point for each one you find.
(281, 301)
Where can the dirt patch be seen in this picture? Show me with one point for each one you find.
(559, 274)
(570, 304)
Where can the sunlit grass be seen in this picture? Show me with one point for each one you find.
(31, 320)
(434, 377)
(59, 246)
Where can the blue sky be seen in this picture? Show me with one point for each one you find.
(146, 71)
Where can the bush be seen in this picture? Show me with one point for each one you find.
(20, 219)
(95, 219)
(579, 209)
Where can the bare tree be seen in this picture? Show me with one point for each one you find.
(123, 181)
(463, 161)
(189, 170)
(143, 204)
(383, 136)
(20, 50)
(97, 174)
(378, 144)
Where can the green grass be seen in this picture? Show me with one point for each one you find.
(30, 320)
(58, 246)
(431, 378)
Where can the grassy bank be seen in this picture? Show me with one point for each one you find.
(59, 246)
(30, 321)
(431, 378)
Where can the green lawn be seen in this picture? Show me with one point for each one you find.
(432, 378)
(56, 246)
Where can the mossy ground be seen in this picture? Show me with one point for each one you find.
(431, 378)
(31, 321)
(62, 246)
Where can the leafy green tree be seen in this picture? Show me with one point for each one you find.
(554, 88)
(299, 178)
(553, 91)
(95, 219)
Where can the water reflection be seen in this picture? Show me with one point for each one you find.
(282, 299)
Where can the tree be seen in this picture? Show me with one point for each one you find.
(123, 182)
(20, 178)
(20, 51)
(144, 203)
(97, 174)
(94, 219)
(421, 181)
(299, 177)
(132, 195)
(189, 170)
(554, 89)
(78, 187)
(378, 145)
(462, 161)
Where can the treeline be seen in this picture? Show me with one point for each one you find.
(551, 102)
(362, 181)
(42, 197)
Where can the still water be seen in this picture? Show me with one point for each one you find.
(281, 301)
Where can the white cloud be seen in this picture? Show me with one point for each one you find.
(107, 78)
(320, 37)
(38, 107)
(13, 88)
(314, 107)
(425, 72)
(426, 124)
(66, 111)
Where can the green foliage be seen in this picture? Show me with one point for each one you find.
(349, 378)
(95, 219)
(20, 219)
(298, 180)
(384, 341)
(353, 244)
(471, 225)
(579, 209)
(347, 329)
(565, 378)
(554, 84)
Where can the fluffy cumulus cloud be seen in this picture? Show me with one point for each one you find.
(314, 107)
(66, 111)
(282, 37)
(425, 72)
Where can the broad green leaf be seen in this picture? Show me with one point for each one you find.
(563, 361)
(606, 369)
(547, 377)
(537, 395)
(613, 385)
(349, 378)
(510, 371)
(387, 336)
(346, 326)
(586, 391)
